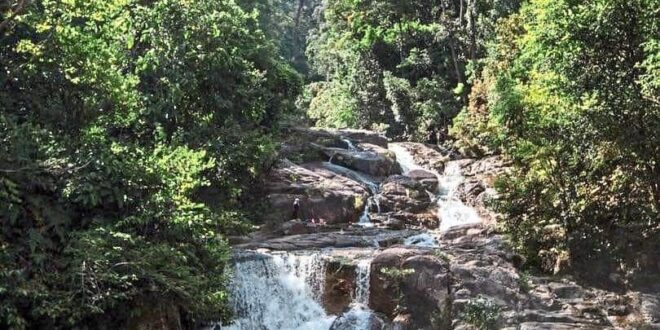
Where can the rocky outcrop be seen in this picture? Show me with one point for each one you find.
(474, 279)
(323, 194)
(339, 286)
(355, 237)
(478, 189)
(353, 320)
(428, 179)
(377, 162)
(401, 193)
(411, 286)
(303, 145)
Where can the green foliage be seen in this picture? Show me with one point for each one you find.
(397, 273)
(568, 96)
(482, 313)
(402, 65)
(129, 134)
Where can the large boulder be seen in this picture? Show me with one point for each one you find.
(402, 193)
(301, 144)
(412, 282)
(376, 162)
(358, 319)
(363, 136)
(339, 286)
(323, 194)
(428, 179)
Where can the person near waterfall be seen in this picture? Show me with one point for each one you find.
(296, 208)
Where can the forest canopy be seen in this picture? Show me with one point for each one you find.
(133, 133)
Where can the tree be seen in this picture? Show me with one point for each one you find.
(116, 118)
(568, 101)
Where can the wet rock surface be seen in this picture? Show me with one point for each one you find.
(440, 283)
(377, 162)
(357, 237)
(322, 193)
(402, 193)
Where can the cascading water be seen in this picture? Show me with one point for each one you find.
(453, 213)
(350, 144)
(451, 210)
(359, 317)
(363, 272)
(279, 291)
(369, 183)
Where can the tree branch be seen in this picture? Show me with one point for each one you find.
(20, 6)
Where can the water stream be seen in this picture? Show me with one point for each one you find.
(453, 213)
(366, 181)
(282, 291)
(278, 291)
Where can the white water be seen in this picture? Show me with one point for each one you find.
(362, 277)
(405, 159)
(360, 315)
(277, 292)
(423, 240)
(350, 144)
(453, 213)
(280, 291)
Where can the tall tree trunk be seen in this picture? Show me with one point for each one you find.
(301, 5)
(457, 65)
(461, 13)
(472, 29)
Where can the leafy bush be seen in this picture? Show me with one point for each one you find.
(119, 122)
(566, 98)
(482, 313)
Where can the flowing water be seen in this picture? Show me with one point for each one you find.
(282, 291)
(369, 183)
(453, 213)
(359, 316)
(350, 144)
(279, 291)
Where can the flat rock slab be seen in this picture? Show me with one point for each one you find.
(367, 237)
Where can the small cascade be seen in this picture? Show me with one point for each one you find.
(349, 144)
(405, 159)
(360, 316)
(451, 210)
(362, 277)
(453, 213)
(369, 183)
(278, 291)
(365, 180)
(423, 240)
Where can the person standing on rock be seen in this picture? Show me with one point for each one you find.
(296, 208)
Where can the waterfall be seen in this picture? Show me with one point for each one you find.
(279, 291)
(366, 181)
(362, 277)
(360, 316)
(349, 144)
(405, 159)
(453, 213)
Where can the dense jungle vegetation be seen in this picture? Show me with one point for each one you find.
(132, 132)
